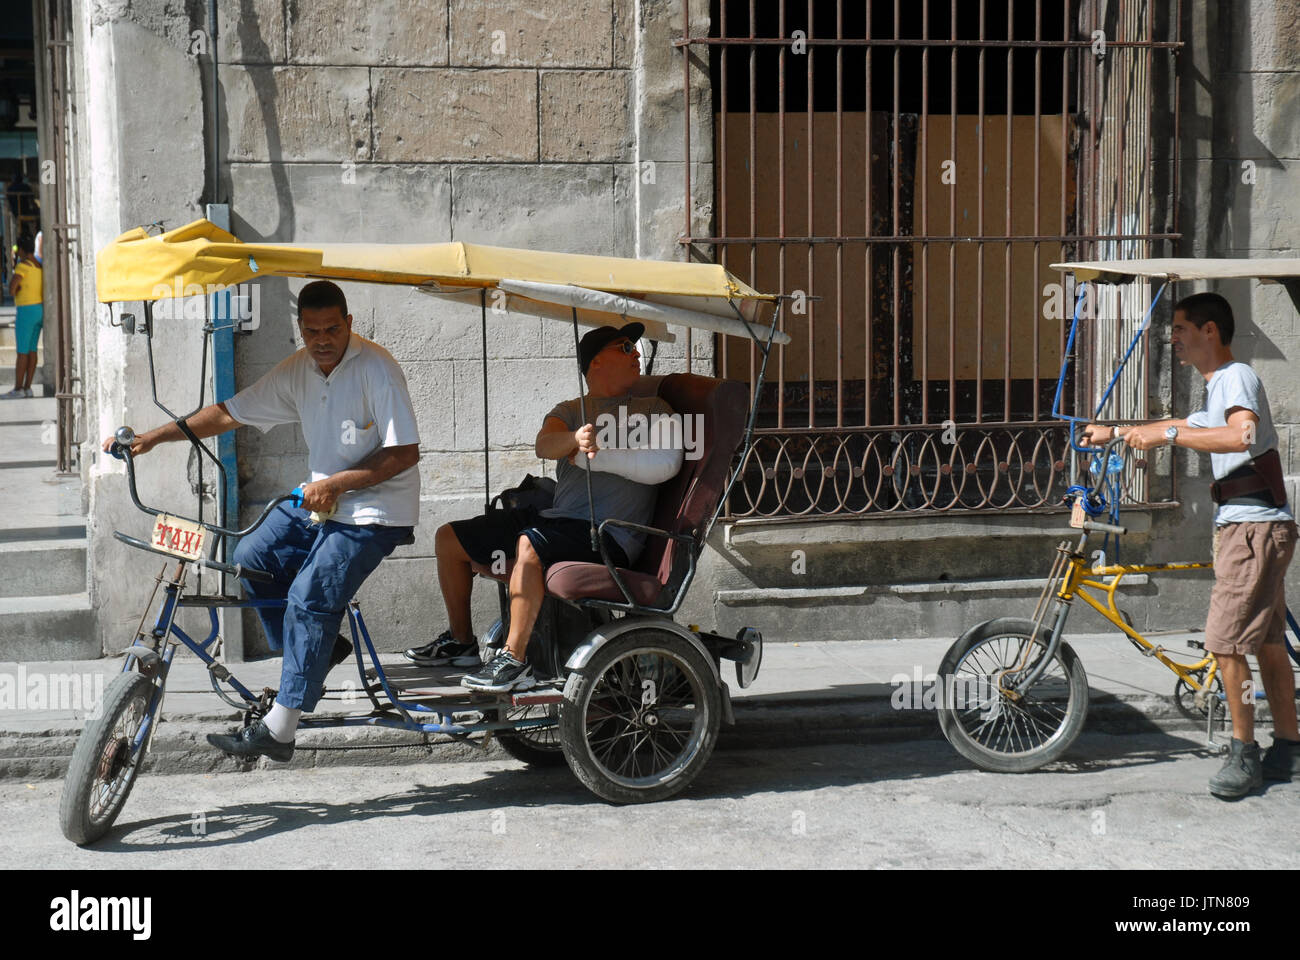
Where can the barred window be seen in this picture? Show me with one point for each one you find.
(909, 173)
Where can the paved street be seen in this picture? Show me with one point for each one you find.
(1124, 801)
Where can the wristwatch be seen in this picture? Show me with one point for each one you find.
(1171, 435)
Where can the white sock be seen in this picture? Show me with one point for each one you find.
(282, 722)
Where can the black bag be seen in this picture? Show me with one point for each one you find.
(533, 493)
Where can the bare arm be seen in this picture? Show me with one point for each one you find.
(1235, 437)
(208, 422)
(383, 464)
(555, 441)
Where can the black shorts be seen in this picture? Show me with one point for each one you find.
(555, 539)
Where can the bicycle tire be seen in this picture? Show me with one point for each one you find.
(998, 733)
(92, 763)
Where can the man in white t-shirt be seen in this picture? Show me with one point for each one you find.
(363, 499)
(1254, 537)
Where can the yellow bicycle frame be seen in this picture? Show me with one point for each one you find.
(1079, 580)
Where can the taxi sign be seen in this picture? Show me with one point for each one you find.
(179, 537)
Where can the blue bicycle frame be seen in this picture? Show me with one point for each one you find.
(165, 627)
(1110, 387)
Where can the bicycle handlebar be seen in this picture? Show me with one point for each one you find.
(120, 449)
(1103, 454)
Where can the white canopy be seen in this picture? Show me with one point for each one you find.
(1184, 268)
(709, 315)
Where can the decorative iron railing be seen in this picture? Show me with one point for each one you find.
(903, 470)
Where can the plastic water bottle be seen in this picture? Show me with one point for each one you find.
(1114, 464)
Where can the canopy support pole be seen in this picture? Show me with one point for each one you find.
(765, 347)
(582, 412)
(487, 481)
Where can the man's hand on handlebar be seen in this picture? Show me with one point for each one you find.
(141, 445)
(1096, 435)
(320, 497)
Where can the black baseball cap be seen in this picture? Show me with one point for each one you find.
(600, 338)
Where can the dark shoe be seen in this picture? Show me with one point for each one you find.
(446, 651)
(1280, 759)
(502, 673)
(1241, 773)
(254, 741)
(342, 650)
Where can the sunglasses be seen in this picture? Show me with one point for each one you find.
(627, 346)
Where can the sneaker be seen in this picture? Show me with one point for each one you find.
(502, 673)
(14, 394)
(252, 741)
(1280, 759)
(1241, 773)
(446, 651)
(27, 392)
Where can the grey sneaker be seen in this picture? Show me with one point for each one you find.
(1241, 773)
(1280, 759)
(503, 673)
(14, 394)
(27, 392)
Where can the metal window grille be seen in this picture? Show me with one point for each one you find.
(912, 170)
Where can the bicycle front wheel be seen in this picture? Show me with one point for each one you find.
(106, 760)
(992, 723)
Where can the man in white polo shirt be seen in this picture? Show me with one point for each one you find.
(351, 399)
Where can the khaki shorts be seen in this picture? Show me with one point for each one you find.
(1248, 603)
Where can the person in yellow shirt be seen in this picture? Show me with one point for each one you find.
(26, 289)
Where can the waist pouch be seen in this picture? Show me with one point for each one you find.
(1257, 483)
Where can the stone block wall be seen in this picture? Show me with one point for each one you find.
(530, 123)
(508, 122)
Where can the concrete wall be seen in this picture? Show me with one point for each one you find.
(141, 158)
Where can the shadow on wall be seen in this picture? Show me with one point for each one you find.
(263, 80)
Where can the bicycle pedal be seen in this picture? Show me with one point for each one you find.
(1195, 644)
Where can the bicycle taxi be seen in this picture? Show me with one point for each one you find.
(632, 700)
(1018, 692)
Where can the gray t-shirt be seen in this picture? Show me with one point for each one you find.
(1237, 385)
(612, 495)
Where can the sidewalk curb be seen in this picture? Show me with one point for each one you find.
(41, 752)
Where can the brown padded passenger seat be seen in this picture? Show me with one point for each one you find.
(684, 505)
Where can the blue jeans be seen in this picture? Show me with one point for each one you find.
(317, 569)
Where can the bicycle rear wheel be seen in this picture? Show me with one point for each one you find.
(1003, 730)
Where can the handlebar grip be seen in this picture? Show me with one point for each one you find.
(296, 494)
(1103, 527)
(247, 573)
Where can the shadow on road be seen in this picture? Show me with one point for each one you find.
(733, 774)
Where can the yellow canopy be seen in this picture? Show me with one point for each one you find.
(201, 257)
